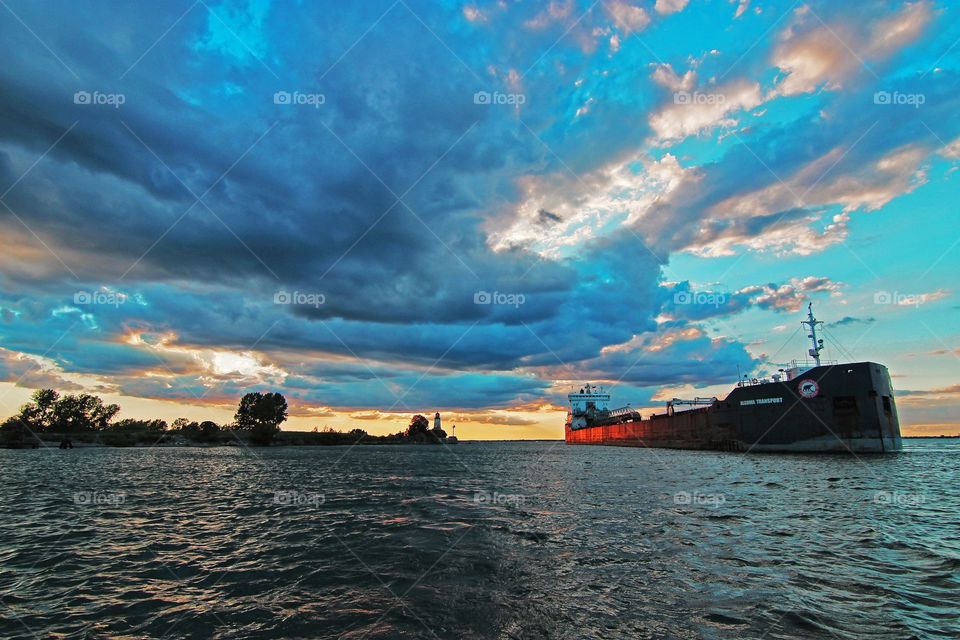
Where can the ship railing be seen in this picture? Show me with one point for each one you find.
(810, 364)
(749, 382)
(797, 368)
(788, 372)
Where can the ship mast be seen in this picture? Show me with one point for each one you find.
(812, 323)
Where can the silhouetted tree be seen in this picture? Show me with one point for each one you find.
(417, 431)
(51, 412)
(133, 424)
(209, 431)
(13, 432)
(260, 415)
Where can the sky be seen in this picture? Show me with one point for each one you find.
(388, 208)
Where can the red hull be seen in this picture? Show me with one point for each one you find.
(686, 430)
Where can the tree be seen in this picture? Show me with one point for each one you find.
(13, 431)
(209, 431)
(82, 413)
(38, 415)
(51, 412)
(418, 424)
(417, 431)
(133, 424)
(260, 415)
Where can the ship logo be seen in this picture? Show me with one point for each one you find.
(809, 388)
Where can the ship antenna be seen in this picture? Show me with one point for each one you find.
(812, 323)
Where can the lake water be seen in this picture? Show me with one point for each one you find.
(500, 540)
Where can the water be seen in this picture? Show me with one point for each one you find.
(506, 540)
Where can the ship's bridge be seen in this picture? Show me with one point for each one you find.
(589, 399)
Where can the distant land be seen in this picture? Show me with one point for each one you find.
(69, 421)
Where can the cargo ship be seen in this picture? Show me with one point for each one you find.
(813, 406)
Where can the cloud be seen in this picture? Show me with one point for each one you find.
(473, 14)
(308, 411)
(34, 372)
(703, 109)
(588, 206)
(921, 298)
(572, 200)
(556, 11)
(490, 418)
(629, 17)
(666, 7)
(812, 53)
(791, 296)
(693, 303)
(371, 415)
(952, 150)
(847, 321)
(941, 392)
(665, 76)
(944, 352)
(668, 358)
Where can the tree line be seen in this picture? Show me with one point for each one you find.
(258, 418)
(257, 421)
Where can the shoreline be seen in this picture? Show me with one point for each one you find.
(44, 443)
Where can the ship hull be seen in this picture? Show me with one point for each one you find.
(852, 411)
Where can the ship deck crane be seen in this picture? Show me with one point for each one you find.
(694, 402)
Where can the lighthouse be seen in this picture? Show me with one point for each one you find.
(436, 422)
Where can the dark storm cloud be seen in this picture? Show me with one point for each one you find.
(850, 320)
(375, 199)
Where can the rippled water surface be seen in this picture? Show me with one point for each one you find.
(505, 540)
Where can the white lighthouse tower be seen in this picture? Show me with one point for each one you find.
(436, 422)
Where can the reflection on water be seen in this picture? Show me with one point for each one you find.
(508, 540)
